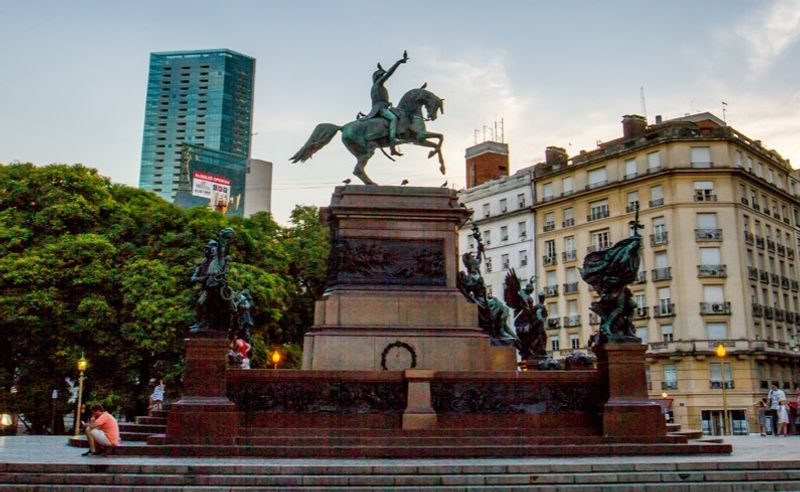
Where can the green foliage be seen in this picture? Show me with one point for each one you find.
(87, 266)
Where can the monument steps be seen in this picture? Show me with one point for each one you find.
(147, 420)
(685, 476)
(424, 440)
(374, 432)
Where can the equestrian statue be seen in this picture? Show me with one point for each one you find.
(384, 126)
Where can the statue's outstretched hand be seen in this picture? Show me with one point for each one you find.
(405, 57)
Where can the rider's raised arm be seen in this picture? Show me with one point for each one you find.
(392, 69)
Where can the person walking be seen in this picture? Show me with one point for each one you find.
(761, 407)
(783, 418)
(774, 398)
(102, 431)
(157, 397)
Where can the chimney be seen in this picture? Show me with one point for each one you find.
(659, 119)
(555, 156)
(633, 125)
(486, 161)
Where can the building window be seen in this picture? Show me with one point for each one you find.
(487, 237)
(704, 191)
(738, 158)
(523, 258)
(666, 333)
(486, 211)
(488, 264)
(569, 219)
(701, 157)
(550, 248)
(601, 239)
(656, 196)
(522, 230)
(504, 233)
(547, 191)
(503, 205)
(575, 341)
(717, 331)
(505, 262)
(670, 377)
(598, 210)
(549, 221)
(715, 375)
(641, 332)
(566, 186)
(654, 161)
(521, 200)
(554, 343)
(630, 168)
(597, 177)
(633, 202)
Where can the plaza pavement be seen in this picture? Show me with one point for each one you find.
(54, 449)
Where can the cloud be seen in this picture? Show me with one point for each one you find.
(770, 33)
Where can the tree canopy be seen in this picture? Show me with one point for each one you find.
(88, 266)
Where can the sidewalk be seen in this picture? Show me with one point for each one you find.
(54, 449)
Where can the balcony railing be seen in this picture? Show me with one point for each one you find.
(669, 385)
(774, 279)
(769, 313)
(596, 247)
(659, 239)
(770, 245)
(715, 308)
(712, 271)
(795, 285)
(780, 314)
(708, 234)
(749, 238)
(548, 226)
(718, 384)
(661, 274)
(703, 197)
(664, 309)
(641, 277)
(760, 243)
(790, 253)
(598, 214)
(596, 184)
(553, 323)
(632, 207)
(744, 201)
(594, 319)
(785, 282)
(568, 223)
(752, 273)
(569, 255)
(763, 276)
(572, 320)
(758, 310)
(658, 202)
(781, 250)
(570, 287)
(641, 312)
(790, 317)
(550, 259)
(551, 291)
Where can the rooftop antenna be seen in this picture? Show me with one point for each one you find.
(502, 131)
(725, 112)
(644, 104)
(476, 134)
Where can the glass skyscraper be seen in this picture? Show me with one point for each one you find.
(203, 99)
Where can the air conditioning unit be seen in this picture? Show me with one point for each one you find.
(718, 308)
(641, 311)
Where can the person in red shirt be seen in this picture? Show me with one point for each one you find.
(102, 431)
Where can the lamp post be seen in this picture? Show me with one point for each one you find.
(82, 365)
(721, 352)
(276, 357)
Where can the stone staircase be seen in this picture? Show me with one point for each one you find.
(103, 474)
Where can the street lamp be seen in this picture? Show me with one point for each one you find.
(82, 365)
(276, 357)
(721, 352)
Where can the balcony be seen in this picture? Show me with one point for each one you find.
(749, 238)
(769, 313)
(553, 323)
(774, 279)
(702, 165)
(630, 175)
(744, 201)
(549, 260)
(705, 197)
(596, 247)
(752, 273)
(594, 319)
(669, 385)
(572, 320)
(641, 277)
(641, 312)
(660, 274)
(551, 290)
(770, 245)
(718, 384)
(781, 250)
(758, 310)
(785, 283)
(598, 214)
(756, 206)
(715, 308)
(790, 317)
(569, 255)
(795, 285)
(760, 243)
(658, 202)
(712, 271)
(763, 276)
(708, 235)
(596, 184)
(664, 309)
(570, 287)
(568, 223)
(659, 239)
(632, 207)
(790, 253)
(780, 314)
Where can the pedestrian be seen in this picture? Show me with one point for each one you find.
(157, 397)
(102, 431)
(774, 398)
(783, 418)
(762, 415)
(242, 348)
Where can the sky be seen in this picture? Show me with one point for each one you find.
(74, 76)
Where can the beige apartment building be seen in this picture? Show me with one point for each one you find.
(721, 215)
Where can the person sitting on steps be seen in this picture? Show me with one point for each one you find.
(102, 432)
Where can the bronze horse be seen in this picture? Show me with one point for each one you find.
(363, 136)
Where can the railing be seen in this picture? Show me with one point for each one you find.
(549, 259)
(548, 226)
(744, 201)
(658, 202)
(760, 243)
(568, 223)
(598, 214)
(664, 309)
(572, 320)
(641, 312)
(763, 276)
(664, 273)
(795, 285)
(774, 279)
(702, 197)
(715, 308)
(708, 234)
(659, 239)
(553, 323)
(790, 253)
(790, 317)
(596, 247)
(669, 385)
(758, 310)
(780, 314)
(630, 175)
(769, 313)
(632, 207)
(756, 206)
(641, 277)
(594, 319)
(752, 273)
(551, 291)
(770, 245)
(718, 384)
(570, 287)
(749, 238)
(569, 255)
(781, 250)
(785, 282)
(701, 164)
(712, 271)
(596, 184)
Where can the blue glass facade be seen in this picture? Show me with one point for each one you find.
(201, 98)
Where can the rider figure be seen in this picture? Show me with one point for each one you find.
(380, 100)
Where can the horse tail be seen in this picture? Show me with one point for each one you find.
(319, 138)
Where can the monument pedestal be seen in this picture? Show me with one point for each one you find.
(204, 415)
(391, 301)
(628, 410)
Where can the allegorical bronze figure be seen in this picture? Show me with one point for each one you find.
(384, 126)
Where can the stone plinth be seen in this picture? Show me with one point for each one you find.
(391, 301)
(628, 410)
(204, 415)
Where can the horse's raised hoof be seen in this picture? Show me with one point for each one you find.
(432, 153)
(393, 151)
